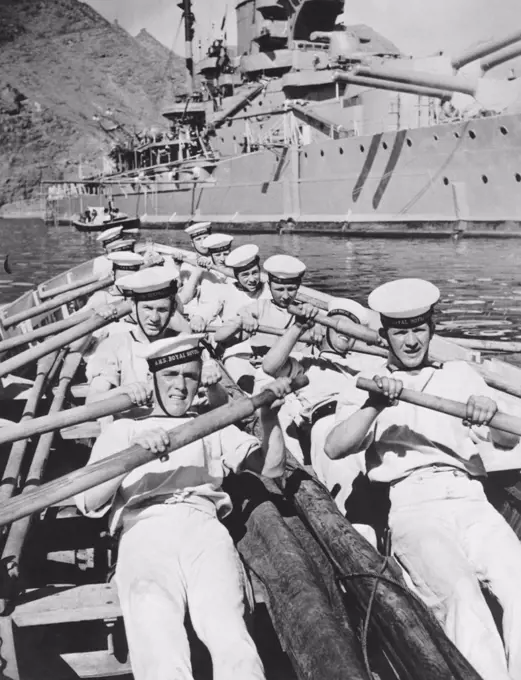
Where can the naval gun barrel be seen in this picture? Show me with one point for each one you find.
(500, 57)
(484, 50)
(379, 84)
(437, 81)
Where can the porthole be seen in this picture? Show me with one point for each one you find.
(385, 145)
(446, 181)
(409, 142)
(484, 179)
(341, 151)
(472, 134)
(503, 130)
(321, 152)
(436, 138)
(518, 177)
(305, 154)
(456, 134)
(362, 148)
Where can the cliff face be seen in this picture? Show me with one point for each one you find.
(72, 84)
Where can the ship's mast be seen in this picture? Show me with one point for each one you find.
(189, 19)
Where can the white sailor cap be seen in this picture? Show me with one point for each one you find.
(153, 283)
(172, 351)
(121, 244)
(349, 308)
(125, 261)
(109, 235)
(199, 228)
(404, 303)
(243, 257)
(284, 269)
(217, 243)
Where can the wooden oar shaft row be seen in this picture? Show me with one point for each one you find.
(127, 460)
(267, 330)
(46, 293)
(56, 302)
(501, 421)
(44, 331)
(62, 339)
(73, 416)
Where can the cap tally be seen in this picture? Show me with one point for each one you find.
(348, 308)
(217, 243)
(199, 228)
(109, 235)
(243, 257)
(153, 283)
(125, 261)
(173, 351)
(404, 303)
(284, 269)
(121, 244)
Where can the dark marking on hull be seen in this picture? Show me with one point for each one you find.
(389, 168)
(366, 168)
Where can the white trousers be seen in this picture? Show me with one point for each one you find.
(181, 557)
(338, 476)
(450, 540)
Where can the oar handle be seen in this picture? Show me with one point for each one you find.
(501, 421)
(62, 339)
(344, 326)
(267, 330)
(56, 302)
(191, 258)
(127, 460)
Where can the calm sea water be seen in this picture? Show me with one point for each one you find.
(480, 279)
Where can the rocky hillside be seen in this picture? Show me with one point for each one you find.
(72, 84)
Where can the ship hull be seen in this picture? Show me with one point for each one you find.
(434, 181)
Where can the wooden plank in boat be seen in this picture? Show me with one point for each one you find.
(99, 664)
(81, 603)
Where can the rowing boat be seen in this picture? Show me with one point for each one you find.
(58, 601)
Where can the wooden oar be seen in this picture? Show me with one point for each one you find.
(73, 416)
(18, 531)
(501, 421)
(44, 331)
(267, 330)
(56, 302)
(344, 326)
(45, 294)
(62, 339)
(17, 453)
(127, 460)
(488, 345)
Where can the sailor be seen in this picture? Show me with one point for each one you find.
(284, 278)
(330, 369)
(118, 359)
(102, 267)
(174, 553)
(208, 279)
(445, 533)
(230, 298)
(123, 263)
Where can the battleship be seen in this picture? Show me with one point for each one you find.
(316, 126)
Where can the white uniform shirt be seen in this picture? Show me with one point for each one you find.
(193, 472)
(117, 358)
(102, 267)
(205, 301)
(407, 437)
(331, 375)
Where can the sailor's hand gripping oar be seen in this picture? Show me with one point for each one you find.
(479, 412)
(124, 461)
